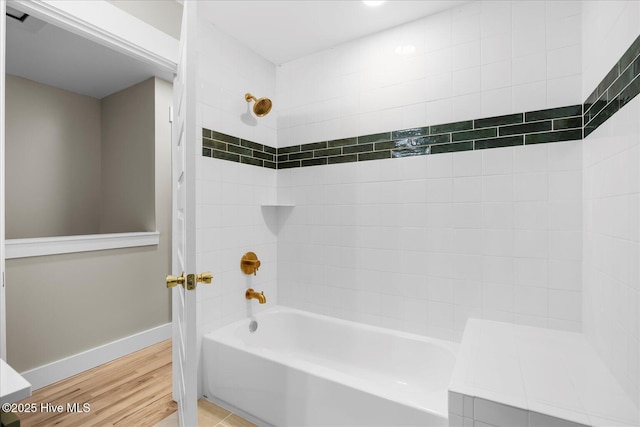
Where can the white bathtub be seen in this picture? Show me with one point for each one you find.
(304, 369)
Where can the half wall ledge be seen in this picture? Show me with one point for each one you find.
(43, 246)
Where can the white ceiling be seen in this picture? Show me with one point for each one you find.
(281, 31)
(47, 54)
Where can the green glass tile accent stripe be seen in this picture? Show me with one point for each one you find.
(313, 146)
(327, 152)
(526, 128)
(252, 145)
(406, 152)
(450, 148)
(384, 145)
(498, 121)
(553, 113)
(223, 155)
(291, 149)
(573, 122)
(474, 134)
(452, 127)
(343, 159)
(264, 156)
(239, 150)
(507, 141)
(376, 155)
(251, 161)
(374, 138)
(300, 156)
(314, 162)
(357, 148)
(565, 135)
(206, 142)
(615, 90)
(224, 137)
(569, 123)
(550, 125)
(408, 133)
(286, 165)
(341, 142)
(630, 92)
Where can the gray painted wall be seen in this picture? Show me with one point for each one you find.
(53, 161)
(127, 168)
(61, 305)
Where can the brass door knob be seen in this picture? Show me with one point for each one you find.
(175, 280)
(205, 277)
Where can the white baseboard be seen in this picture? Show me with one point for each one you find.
(64, 368)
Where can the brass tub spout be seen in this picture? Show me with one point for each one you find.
(251, 294)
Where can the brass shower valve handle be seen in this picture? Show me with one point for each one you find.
(249, 263)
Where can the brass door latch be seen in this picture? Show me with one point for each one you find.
(190, 279)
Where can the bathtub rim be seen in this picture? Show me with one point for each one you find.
(225, 336)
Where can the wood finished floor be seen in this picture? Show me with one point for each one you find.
(134, 390)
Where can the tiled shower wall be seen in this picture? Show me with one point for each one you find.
(230, 218)
(611, 201)
(483, 59)
(422, 243)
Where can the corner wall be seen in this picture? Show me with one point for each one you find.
(230, 217)
(611, 201)
(127, 159)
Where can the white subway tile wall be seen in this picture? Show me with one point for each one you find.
(611, 202)
(230, 217)
(611, 244)
(423, 243)
(437, 246)
(483, 59)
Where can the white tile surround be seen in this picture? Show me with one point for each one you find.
(611, 202)
(482, 59)
(611, 247)
(494, 234)
(509, 375)
(422, 244)
(229, 199)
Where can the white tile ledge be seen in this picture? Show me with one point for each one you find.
(43, 246)
(534, 372)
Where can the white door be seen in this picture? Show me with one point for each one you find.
(3, 331)
(185, 369)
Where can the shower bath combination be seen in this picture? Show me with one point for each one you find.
(261, 107)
